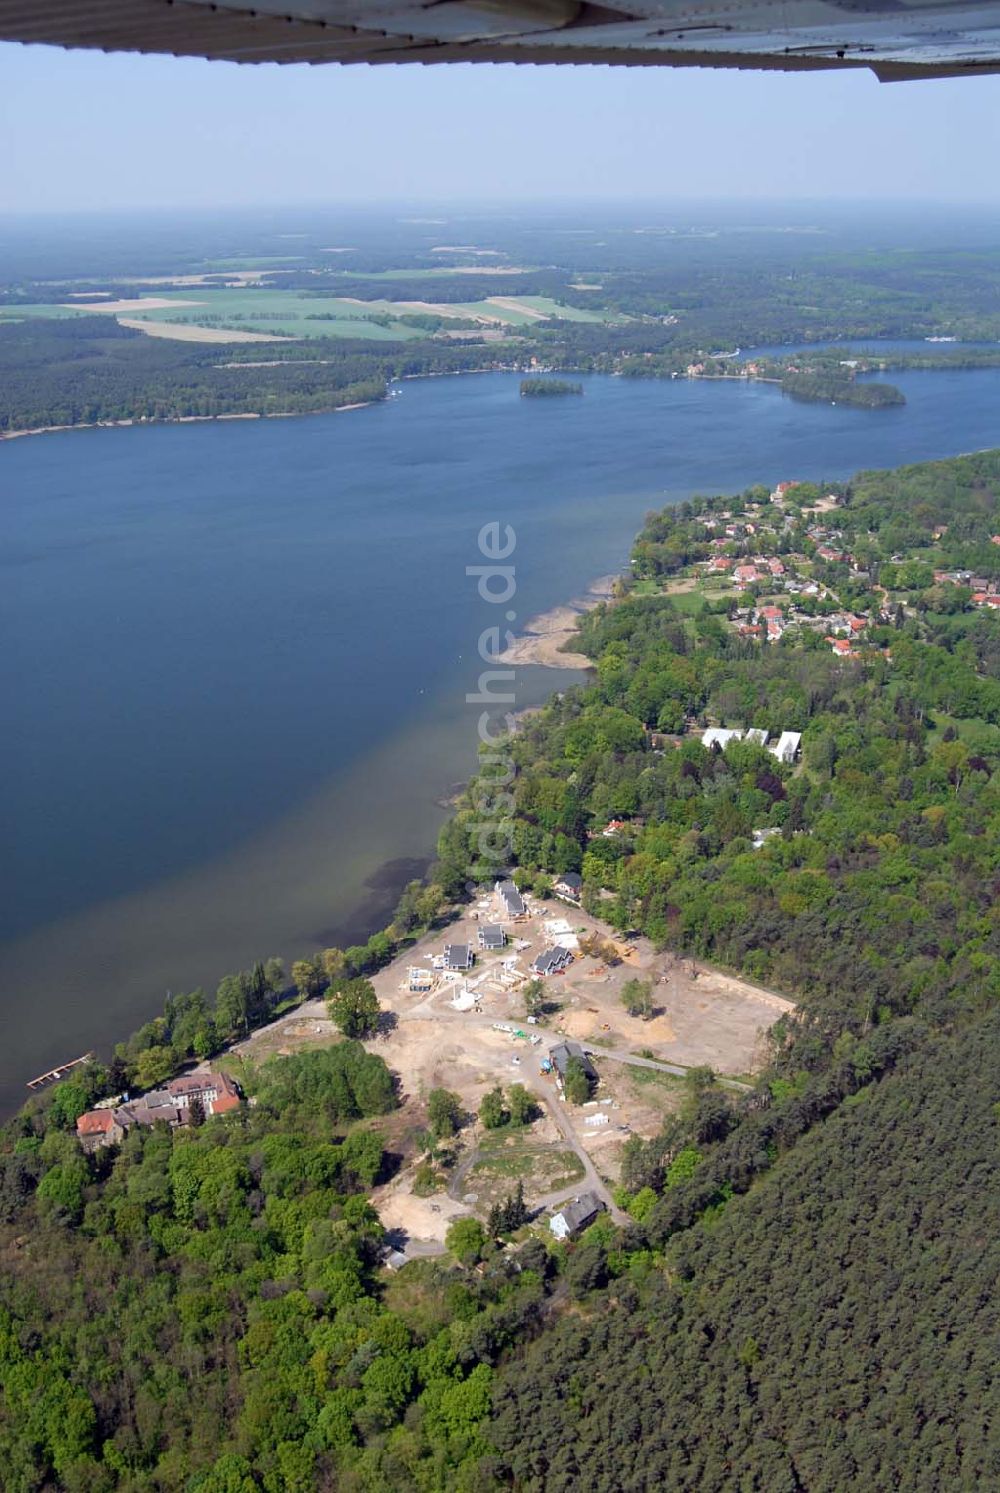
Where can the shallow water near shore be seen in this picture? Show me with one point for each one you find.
(235, 657)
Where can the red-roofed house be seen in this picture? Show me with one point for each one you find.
(842, 647)
(217, 1092)
(97, 1128)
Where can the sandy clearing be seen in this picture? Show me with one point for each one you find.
(427, 308)
(185, 332)
(138, 303)
(511, 303)
(422, 1219)
(545, 634)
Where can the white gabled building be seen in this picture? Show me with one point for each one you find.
(787, 746)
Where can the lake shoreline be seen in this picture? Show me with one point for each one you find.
(14, 435)
(545, 636)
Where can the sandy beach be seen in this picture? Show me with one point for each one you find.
(545, 636)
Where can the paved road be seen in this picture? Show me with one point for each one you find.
(678, 1072)
(591, 1179)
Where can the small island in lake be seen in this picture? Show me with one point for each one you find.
(544, 388)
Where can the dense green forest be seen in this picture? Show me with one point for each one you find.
(803, 1298)
(660, 315)
(78, 371)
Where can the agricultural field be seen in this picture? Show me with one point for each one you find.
(293, 313)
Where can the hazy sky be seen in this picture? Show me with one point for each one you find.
(81, 130)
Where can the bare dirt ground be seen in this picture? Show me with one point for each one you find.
(137, 303)
(468, 1033)
(178, 331)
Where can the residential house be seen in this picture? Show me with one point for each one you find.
(781, 489)
(552, 961)
(718, 737)
(217, 1092)
(787, 747)
(510, 899)
(568, 886)
(458, 956)
(169, 1105)
(576, 1216)
(491, 937)
(757, 734)
(98, 1128)
(561, 1054)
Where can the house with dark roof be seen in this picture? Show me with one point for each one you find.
(576, 1216)
(568, 885)
(561, 1054)
(458, 956)
(510, 899)
(491, 937)
(552, 961)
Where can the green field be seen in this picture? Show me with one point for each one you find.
(20, 313)
(549, 307)
(292, 313)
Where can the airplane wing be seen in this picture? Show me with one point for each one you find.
(897, 39)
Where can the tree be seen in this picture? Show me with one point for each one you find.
(154, 1066)
(492, 1111)
(334, 964)
(444, 1112)
(514, 1211)
(362, 1154)
(521, 1105)
(533, 995)
(637, 998)
(465, 1239)
(355, 1008)
(576, 1084)
(308, 977)
(231, 1006)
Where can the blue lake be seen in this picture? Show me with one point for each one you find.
(235, 655)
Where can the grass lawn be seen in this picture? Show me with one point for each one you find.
(507, 1156)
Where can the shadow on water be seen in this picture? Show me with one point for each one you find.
(385, 887)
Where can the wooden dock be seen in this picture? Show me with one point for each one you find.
(60, 1072)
